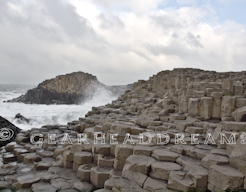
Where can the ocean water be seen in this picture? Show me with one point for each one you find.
(45, 114)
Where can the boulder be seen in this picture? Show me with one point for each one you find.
(83, 186)
(10, 146)
(137, 177)
(8, 157)
(121, 183)
(105, 161)
(21, 119)
(5, 185)
(84, 172)
(227, 106)
(225, 177)
(165, 155)
(43, 187)
(199, 176)
(179, 181)
(234, 126)
(184, 160)
(31, 158)
(182, 149)
(46, 177)
(138, 163)
(194, 130)
(183, 104)
(240, 102)
(216, 111)
(161, 170)
(101, 149)
(109, 184)
(99, 175)
(206, 107)
(42, 165)
(122, 152)
(237, 154)
(67, 160)
(238, 113)
(198, 153)
(212, 159)
(155, 184)
(82, 158)
(61, 183)
(194, 107)
(227, 84)
(142, 150)
(26, 181)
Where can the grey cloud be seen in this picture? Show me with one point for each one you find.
(110, 22)
(3, 5)
(139, 53)
(174, 49)
(46, 19)
(65, 16)
(194, 40)
(34, 21)
(105, 3)
(28, 44)
(175, 35)
(166, 22)
(111, 5)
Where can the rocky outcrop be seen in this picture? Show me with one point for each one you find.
(73, 88)
(181, 116)
(21, 119)
(8, 131)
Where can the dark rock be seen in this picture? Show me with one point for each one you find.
(8, 131)
(21, 118)
(243, 119)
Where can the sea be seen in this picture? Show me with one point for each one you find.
(40, 115)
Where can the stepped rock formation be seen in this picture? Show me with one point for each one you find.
(174, 103)
(73, 88)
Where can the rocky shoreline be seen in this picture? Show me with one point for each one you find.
(182, 101)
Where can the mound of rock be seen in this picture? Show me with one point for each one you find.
(164, 135)
(21, 119)
(73, 88)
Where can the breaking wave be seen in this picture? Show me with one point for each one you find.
(40, 115)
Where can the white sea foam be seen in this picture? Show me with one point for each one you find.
(45, 114)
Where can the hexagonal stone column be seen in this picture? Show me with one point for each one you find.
(99, 175)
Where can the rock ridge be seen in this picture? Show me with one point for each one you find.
(73, 88)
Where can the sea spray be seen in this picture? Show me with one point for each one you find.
(40, 115)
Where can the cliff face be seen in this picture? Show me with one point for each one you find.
(71, 88)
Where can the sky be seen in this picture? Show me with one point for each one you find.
(119, 41)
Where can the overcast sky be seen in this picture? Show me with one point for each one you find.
(119, 41)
